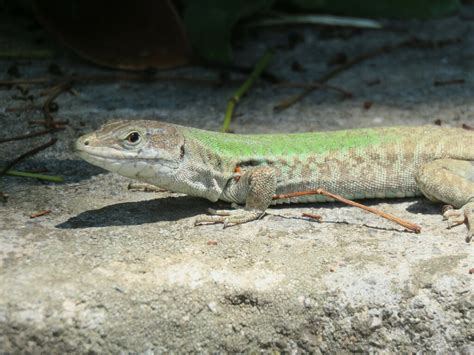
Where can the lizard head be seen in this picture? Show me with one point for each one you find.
(136, 149)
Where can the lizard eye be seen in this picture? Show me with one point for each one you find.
(133, 138)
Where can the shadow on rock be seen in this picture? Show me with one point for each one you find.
(137, 213)
(424, 206)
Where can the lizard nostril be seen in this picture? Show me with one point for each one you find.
(86, 142)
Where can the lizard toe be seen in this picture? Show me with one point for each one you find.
(214, 212)
(465, 214)
(454, 221)
(469, 215)
(453, 216)
(209, 219)
(242, 216)
(229, 217)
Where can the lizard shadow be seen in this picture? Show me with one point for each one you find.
(138, 213)
(425, 206)
(176, 208)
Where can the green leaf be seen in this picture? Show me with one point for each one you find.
(210, 22)
(379, 8)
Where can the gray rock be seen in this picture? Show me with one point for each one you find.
(114, 271)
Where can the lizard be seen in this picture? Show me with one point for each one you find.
(248, 170)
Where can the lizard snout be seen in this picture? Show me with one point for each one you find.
(82, 142)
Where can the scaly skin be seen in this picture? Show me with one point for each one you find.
(250, 169)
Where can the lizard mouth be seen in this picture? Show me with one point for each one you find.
(128, 165)
(106, 162)
(97, 153)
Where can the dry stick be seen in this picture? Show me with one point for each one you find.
(58, 90)
(39, 80)
(109, 78)
(259, 67)
(69, 80)
(411, 226)
(40, 213)
(448, 82)
(313, 216)
(26, 136)
(344, 92)
(24, 108)
(57, 124)
(26, 155)
(331, 74)
(413, 42)
(288, 84)
(238, 69)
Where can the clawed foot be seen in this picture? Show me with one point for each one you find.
(456, 217)
(144, 187)
(229, 217)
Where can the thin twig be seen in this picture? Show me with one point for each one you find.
(51, 178)
(40, 213)
(412, 42)
(240, 69)
(448, 82)
(313, 216)
(109, 78)
(26, 136)
(410, 226)
(331, 74)
(24, 108)
(58, 124)
(242, 90)
(315, 85)
(55, 92)
(26, 155)
(32, 81)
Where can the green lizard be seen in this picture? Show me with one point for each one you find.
(250, 169)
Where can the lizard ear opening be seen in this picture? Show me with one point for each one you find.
(181, 152)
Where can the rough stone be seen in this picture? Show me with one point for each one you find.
(110, 270)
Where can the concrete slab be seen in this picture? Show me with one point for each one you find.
(109, 270)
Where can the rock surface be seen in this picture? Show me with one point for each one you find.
(110, 270)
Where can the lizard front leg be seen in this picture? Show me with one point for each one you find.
(256, 187)
(452, 182)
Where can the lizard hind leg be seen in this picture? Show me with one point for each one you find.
(450, 181)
